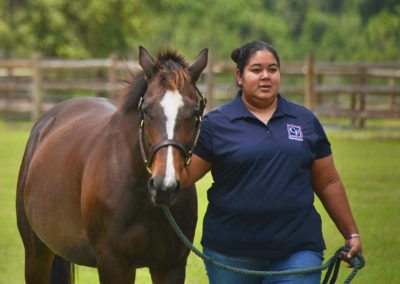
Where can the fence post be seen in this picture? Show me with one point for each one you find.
(8, 93)
(36, 95)
(362, 96)
(112, 76)
(309, 83)
(319, 95)
(210, 83)
(392, 84)
(353, 103)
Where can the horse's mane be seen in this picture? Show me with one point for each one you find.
(137, 86)
(172, 70)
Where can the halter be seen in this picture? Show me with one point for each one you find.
(170, 142)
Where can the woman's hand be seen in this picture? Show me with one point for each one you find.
(354, 244)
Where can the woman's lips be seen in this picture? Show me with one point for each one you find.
(265, 87)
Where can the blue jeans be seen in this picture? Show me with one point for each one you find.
(299, 260)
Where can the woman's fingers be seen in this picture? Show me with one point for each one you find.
(355, 247)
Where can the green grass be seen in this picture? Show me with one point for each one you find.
(369, 169)
(373, 124)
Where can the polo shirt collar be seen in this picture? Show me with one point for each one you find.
(284, 108)
(238, 110)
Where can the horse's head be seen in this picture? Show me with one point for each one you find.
(171, 112)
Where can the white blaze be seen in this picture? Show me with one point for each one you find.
(171, 103)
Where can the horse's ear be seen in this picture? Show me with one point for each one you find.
(199, 64)
(147, 62)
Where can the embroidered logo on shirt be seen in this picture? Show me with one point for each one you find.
(294, 132)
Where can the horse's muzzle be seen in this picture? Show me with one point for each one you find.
(163, 191)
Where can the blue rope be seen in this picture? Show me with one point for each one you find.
(332, 264)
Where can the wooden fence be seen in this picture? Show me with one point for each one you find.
(357, 91)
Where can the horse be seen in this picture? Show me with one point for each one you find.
(96, 173)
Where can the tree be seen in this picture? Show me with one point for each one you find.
(381, 38)
(72, 28)
(331, 29)
(370, 8)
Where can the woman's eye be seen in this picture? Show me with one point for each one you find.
(273, 70)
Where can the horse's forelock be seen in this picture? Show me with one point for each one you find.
(166, 55)
(172, 69)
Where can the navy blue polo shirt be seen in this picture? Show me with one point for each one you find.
(261, 201)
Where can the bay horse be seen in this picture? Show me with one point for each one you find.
(85, 196)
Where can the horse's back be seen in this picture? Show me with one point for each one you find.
(66, 112)
(51, 173)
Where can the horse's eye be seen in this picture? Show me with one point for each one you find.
(196, 112)
(146, 113)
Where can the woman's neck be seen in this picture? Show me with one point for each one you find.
(263, 110)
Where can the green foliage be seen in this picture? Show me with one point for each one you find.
(72, 28)
(329, 37)
(192, 25)
(382, 36)
(362, 30)
(369, 8)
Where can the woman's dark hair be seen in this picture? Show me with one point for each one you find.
(242, 54)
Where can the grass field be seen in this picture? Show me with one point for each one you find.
(368, 165)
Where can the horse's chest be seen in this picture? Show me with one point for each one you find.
(146, 244)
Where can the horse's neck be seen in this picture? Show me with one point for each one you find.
(128, 125)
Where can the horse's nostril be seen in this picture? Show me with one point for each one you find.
(155, 183)
(178, 185)
(164, 186)
(163, 190)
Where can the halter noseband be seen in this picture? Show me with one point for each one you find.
(170, 142)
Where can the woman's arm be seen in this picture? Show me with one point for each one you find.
(194, 171)
(329, 188)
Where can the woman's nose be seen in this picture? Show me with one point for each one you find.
(264, 74)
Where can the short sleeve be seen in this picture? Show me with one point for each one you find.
(203, 148)
(323, 147)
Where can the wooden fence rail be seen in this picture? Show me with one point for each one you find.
(23, 84)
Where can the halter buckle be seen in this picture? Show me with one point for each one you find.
(187, 161)
(140, 103)
(148, 168)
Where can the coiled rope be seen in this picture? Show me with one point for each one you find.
(332, 264)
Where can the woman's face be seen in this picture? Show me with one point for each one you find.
(260, 79)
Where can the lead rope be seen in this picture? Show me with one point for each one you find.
(333, 263)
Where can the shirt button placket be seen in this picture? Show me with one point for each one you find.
(269, 133)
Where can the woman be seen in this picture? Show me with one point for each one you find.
(267, 156)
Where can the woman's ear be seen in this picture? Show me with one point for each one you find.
(238, 77)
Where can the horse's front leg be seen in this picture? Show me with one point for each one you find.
(113, 270)
(173, 275)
